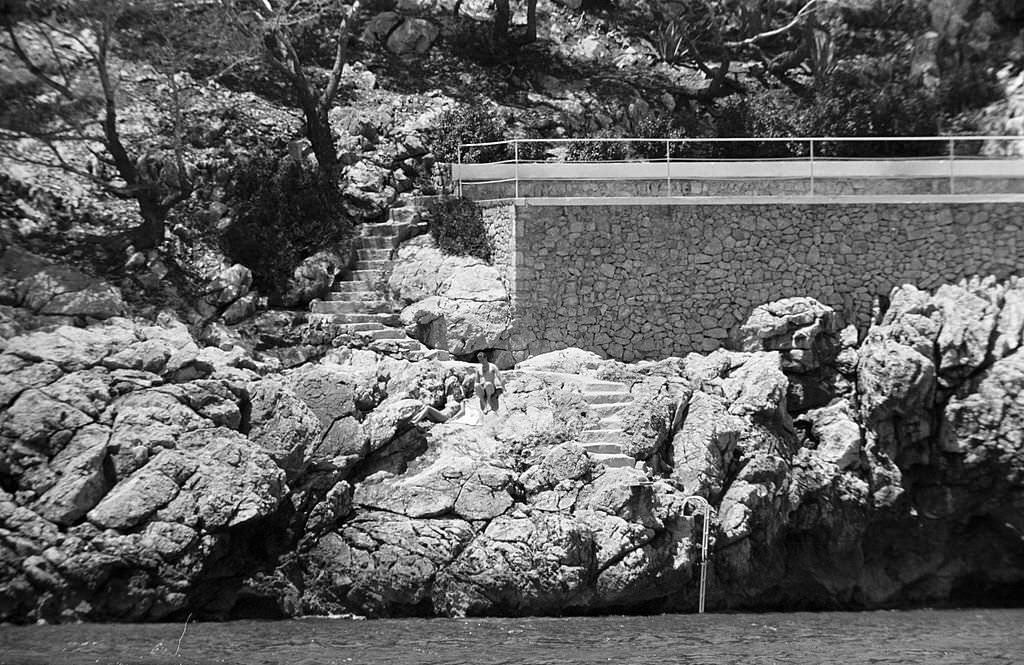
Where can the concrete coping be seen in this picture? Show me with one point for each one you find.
(754, 200)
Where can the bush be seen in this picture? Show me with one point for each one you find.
(597, 151)
(284, 212)
(457, 227)
(469, 124)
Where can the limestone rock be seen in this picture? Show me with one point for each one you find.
(421, 270)
(282, 425)
(229, 285)
(313, 277)
(64, 291)
(838, 435)
(413, 35)
(460, 326)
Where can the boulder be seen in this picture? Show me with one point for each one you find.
(412, 36)
(229, 285)
(313, 277)
(835, 429)
(463, 327)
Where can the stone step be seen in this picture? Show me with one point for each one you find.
(374, 242)
(355, 317)
(353, 295)
(375, 265)
(592, 386)
(343, 286)
(373, 254)
(354, 306)
(404, 215)
(602, 448)
(608, 398)
(385, 229)
(606, 409)
(368, 276)
(613, 460)
(367, 326)
(388, 333)
(600, 434)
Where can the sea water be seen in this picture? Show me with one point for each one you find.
(938, 637)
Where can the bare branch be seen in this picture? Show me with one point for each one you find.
(32, 67)
(806, 9)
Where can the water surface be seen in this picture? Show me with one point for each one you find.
(974, 637)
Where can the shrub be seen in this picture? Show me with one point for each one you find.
(597, 151)
(284, 212)
(469, 124)
(457, 227)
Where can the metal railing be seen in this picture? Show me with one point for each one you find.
(705, 508)
(807, 156)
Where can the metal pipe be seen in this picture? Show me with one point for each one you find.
(668, 167)
(458, 156)
(812, 167)
(703, 504)
(515, 150)
(952, 155)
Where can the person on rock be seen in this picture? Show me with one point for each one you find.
(487, 385)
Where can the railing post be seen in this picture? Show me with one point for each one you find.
(458, 159)
(515, 150)
(668, 167)
(812, 167)
(952, 155)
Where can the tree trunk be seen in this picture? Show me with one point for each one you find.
(149, 234)
(318, 129)
(531, 22)
(502, 18)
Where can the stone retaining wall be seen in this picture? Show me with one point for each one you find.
(653, 280)
(741, 187)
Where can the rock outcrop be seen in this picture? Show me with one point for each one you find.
(455, 303)
(144, 476)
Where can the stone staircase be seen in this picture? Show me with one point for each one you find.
(360, 301)
(603, 440)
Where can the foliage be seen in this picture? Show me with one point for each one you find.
(69, 100)
(284, 212)
(471, 123)
(457, 227)
(598, 151)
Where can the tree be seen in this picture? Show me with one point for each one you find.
(273, 27)
(709, 35)
(67, 50)
(503, 23)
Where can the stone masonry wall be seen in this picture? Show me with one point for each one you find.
(499, 220)
(743, 187)
(649, 281)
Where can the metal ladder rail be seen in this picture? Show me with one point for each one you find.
(702, 504)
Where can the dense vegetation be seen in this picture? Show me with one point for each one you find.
(146, 100)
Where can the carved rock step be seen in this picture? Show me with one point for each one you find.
(353, 294)
(375, 265)
(382, 318)
(602, 447)
(348, 307)
(608, 397)
(605, 409)
(373, 254)
(384, 229)
(613, 460)
(600, 434)
(375, 242)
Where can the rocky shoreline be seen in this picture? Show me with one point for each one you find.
(146, 476)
